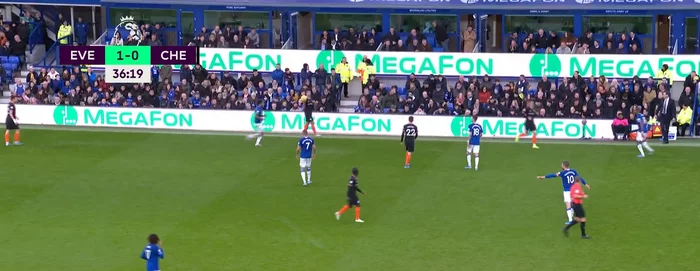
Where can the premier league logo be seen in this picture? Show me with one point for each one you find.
(128, 24)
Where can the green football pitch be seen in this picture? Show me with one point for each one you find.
(86, 200)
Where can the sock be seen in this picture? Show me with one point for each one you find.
(357, 212)
(646, 146)
(313, 128)
(408, 158)
(7, 136)
(570, 214)
(469, 160)
(342, 210)
(639, 146)
(571, 225)
(583, 228)
(476, 161)
(523, 134)
(16, 136)
(257, 141)
(306, 126)
(534, 138)
(308, 174)
(303, 176)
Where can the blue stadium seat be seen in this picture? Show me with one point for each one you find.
(401, 91)
(386, 110)
(438, 49)
(8, 75)
(3, 59)
(540, 51)
(13, 59)
(450, 107)
(240, 93)
(9, 66)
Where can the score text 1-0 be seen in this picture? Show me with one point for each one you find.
(131, 74)
(128, 55)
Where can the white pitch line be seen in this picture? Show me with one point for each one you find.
(689, 142)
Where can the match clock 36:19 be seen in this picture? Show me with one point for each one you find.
(127, 74)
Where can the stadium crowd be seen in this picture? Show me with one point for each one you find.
(575, 97)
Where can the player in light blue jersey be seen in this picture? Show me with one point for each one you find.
(306, 150)
(641, 131)
(259, 118)
(153, 253)
(567, 176)
(475, 132)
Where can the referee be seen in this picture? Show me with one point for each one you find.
(408, 139)
(577, 197)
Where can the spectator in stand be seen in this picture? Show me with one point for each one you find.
(18, 48)
(541, 40)
(563, 49)
(117, 39)
(254, 38)
(441, 36)
(468, 40)
(81, 32)
(154, 41)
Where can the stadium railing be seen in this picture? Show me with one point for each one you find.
(674, 49)
(50, 60)
(287, 44)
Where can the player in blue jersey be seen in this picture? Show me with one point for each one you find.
(259, 118)
(567, 176)
(153, 253)
(306, 150)
(641, 131)
(475, 132)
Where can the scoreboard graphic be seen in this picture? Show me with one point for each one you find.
(128, 64)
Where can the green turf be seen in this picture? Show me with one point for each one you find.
(72, 200)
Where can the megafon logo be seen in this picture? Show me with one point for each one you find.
(591, 1)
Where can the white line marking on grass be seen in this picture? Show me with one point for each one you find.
(686, 142)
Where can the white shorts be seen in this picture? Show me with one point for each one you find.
(473, 148)
(641, 137)
(258, 127)
(305, 162)
(567, 196)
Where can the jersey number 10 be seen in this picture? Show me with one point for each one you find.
(570, 179)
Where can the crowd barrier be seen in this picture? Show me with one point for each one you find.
(453, 64)
(292, 122)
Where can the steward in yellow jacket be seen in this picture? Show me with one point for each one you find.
(346, 75)
(63, 32)
(665, 73)
(366, 69)
(683, 119)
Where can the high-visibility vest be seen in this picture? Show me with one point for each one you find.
(665, 74)
(369, 70)
(361, 69)
(64, 31)
(344, 71)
